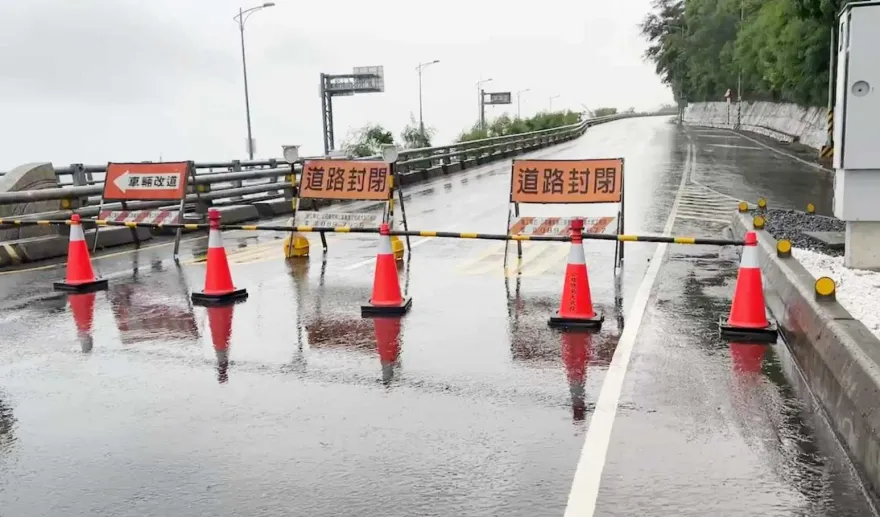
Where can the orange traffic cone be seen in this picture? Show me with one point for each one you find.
(218, 279)
(387, 331)
(83, 308)
(748, 317)
(387, 299)
(220, 322)
(576, 307)
(575, 356)
(80, 276)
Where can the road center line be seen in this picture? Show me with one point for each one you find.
(588, 476)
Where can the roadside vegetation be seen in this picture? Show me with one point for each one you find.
(368, 140)
(781, 47)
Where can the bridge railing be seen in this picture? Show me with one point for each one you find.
(248, 181)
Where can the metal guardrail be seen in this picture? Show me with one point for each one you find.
(247, 181)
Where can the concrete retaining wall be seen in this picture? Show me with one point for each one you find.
(838, 355)
(805, 125)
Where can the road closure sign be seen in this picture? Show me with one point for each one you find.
(346, 179)
(567, 181)
(146, 181)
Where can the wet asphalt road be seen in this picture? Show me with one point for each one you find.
(470, 405)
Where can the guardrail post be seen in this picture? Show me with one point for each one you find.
(79, 179)
(236, 167)
(273, 163)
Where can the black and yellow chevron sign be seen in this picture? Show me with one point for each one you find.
(827, 150)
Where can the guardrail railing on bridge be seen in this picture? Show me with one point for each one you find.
(247, 181)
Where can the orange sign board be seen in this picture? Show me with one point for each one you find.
(146, 181)
(567, 181)
(346, 179)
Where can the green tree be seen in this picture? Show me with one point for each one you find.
(700, 47)
(604, 112)
(504, 125)
(367, 141)
(413, 138)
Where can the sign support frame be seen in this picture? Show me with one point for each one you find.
(390, 206)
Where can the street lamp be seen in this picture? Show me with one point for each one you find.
(551, 102)
(481, 118)
(241, 17)
(517, 100)
(421, 121)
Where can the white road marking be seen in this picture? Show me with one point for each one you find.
(373, 259)
(588, 476)
(777, 151)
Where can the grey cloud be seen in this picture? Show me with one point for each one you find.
(100, 51)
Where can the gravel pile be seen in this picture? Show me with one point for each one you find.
(789, 224)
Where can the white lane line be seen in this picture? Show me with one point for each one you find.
(777, 151)
(373, 259)
(588, 476)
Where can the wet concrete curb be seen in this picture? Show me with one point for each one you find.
(838, 355)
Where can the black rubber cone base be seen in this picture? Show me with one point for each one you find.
(98, 285)
(594, 323)
(747, 335)
(385, 310)
(236, 296)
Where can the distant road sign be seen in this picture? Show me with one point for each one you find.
(146, 181)
(567, 181)
(334, 220)
(346, 179)
(498, 98)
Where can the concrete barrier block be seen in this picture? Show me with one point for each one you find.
(115, 236)
(273, 208)
(237, 213)
(838, 355)
(30, 176)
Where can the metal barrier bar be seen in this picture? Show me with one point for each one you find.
(400, 233)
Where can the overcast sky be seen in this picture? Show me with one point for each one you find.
(112, 80)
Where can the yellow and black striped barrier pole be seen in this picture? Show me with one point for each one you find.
(401, 233)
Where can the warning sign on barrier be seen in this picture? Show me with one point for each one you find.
(141, 216)
(162, 181)
(567, 181)
(559, 226)
(146, 181)
(585, 181)
(348, 179)
(336, 219)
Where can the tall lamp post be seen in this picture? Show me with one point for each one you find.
(241, 17)
(421, 120)
(518, 94)
(482, 118)
(551, 102)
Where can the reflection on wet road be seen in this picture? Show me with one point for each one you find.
(134, 402)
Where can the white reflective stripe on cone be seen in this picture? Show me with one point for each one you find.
(214, 239)
(76, 233)
(749, 257)
(384, 245)
(576, 254)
